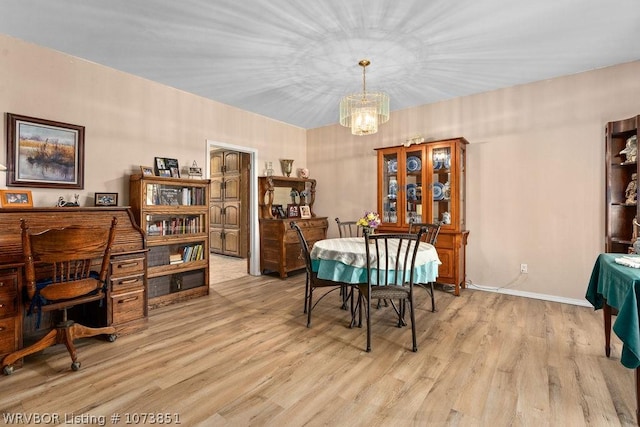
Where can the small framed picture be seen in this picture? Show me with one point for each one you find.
(293, 211)
(165, 173)
(16, 199)
(106, 199)
(277, 211)
(305, 211)
(146, 170)
(172, 165)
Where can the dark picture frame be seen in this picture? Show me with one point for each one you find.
(106, 199)
(44, 153)
(166, 167)
(293, 211)
(16, 199)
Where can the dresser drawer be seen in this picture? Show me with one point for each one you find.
(122, 284)
(127, 265)
(8, 293)
(7, 335)
(128, 306)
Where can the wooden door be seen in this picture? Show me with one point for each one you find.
(232, 242)
(232, 215)
(232, 188)
(216, 216)
(217, 189)
(216, 163)
(216, 240)
(231, 162)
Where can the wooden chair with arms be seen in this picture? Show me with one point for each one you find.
(383, 280)
(59, 275)
(349, 228)
(430, 235)
(313, 281)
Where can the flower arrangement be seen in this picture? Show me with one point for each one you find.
(369, 220)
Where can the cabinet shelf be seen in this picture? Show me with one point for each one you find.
(174, 215)
(620, 172)
(405, 195)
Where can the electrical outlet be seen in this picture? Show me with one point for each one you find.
(524, 268)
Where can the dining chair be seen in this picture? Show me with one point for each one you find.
(390, 269)
(59, 270)
(313, 282)
(430, 235)
(349, 228)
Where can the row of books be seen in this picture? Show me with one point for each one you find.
(188, 253)
(174, 225)
(163, 195)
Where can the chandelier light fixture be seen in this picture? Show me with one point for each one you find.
(363, 112)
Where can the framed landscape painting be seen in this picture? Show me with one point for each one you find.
(44, 153)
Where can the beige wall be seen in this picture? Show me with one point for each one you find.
(128, 120)
(535, 159)
(535, 174)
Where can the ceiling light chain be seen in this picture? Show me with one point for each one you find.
(364, 112)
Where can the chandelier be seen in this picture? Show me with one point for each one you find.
(363, 112)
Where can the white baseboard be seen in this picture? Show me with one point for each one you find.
(545, 297)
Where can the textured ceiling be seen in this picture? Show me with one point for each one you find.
(292, 60)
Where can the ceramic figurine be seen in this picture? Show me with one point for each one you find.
(446, 218)
(631, 149)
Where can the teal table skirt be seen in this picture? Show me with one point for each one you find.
(340, 272)
(619, 286)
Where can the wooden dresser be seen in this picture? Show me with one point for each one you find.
(280, 249)
(126, 307)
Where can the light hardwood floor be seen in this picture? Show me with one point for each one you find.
(243, 356)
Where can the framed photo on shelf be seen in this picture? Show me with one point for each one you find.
(293, 211)
(16, 199)
(146, 171)
(44, 153)
(106, 199)
(277, 212)
(305, 212)
(172, 165)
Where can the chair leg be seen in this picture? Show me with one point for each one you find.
(309, 305)
(368, 314)
(433, 301)
(306, 293)
(413, 325)
(47, 341)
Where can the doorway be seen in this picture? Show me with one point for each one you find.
(229, 266)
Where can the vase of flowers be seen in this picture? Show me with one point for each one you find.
(369, 222)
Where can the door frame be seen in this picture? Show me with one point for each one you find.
(254, 230)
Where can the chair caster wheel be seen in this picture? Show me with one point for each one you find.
(112, 337)
(75, 366)
(8, 370)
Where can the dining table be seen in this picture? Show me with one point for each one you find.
(344, 260)
(615, 288)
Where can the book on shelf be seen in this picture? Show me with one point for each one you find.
(175, 259)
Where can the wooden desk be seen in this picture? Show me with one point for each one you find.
(616, 287)
(126, 307)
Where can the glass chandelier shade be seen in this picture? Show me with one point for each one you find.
(363, 112)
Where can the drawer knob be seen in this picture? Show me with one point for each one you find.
(2, 328)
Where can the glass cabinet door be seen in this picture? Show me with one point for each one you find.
(390, 187)
(412, 196)
(441, 183)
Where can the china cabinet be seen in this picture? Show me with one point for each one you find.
(229, 201)
(174, 215)
(621, 138)
(279, 198)
(426, 183)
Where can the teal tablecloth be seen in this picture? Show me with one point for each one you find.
(619, 286)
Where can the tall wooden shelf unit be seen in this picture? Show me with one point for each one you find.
(229, 203)
(427, 182)
(279, 244)
(620, 168)
(174, 215)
